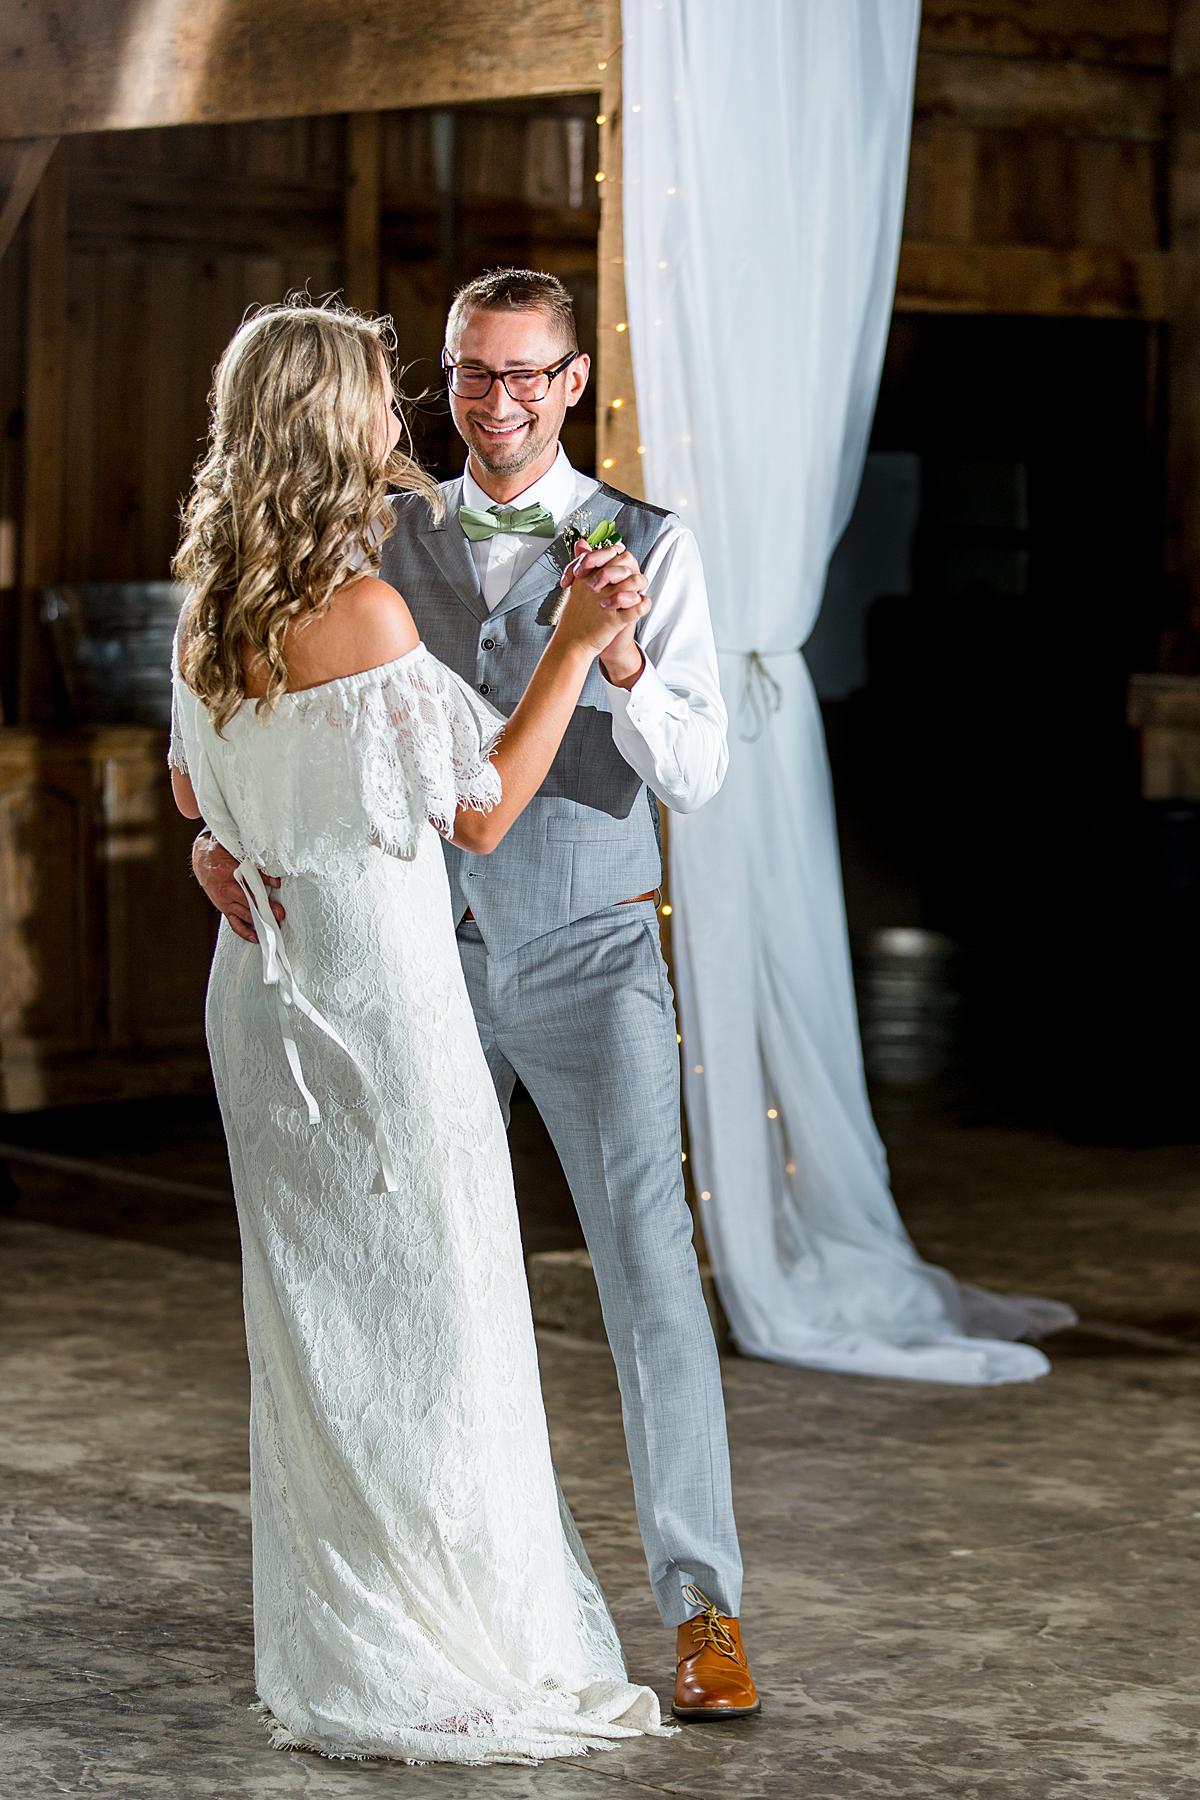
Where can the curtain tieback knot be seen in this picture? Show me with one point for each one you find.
(761, 694)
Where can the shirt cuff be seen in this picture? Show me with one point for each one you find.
(648, 699)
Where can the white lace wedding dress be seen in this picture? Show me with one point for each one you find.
(419, 1593)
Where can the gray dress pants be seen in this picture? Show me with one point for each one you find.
(585, 1016)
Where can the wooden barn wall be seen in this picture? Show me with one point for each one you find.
(1038, 174)
(172, 234)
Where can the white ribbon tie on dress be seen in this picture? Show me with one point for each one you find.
(279, 974)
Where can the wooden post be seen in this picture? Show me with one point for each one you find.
(1183, 339)
(617, 458)
(364, 173)
(45, 433)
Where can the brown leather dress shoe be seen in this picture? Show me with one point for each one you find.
(712, 1676)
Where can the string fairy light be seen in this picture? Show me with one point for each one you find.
(666, 909)
(771, 1113)
(607, 463)
(697, 1068)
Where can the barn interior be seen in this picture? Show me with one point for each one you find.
(977, 1594)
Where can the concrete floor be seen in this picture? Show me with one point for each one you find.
(978, 1594)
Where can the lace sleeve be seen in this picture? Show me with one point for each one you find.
(430, 740)
(177, 752)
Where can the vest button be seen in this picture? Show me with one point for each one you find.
(484, 688)
(489, 643)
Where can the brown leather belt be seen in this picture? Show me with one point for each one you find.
(655, 894)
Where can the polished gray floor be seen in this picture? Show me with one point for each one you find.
(972, 1594)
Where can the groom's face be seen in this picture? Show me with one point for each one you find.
(506, 436)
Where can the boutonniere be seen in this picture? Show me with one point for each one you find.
(597, 537)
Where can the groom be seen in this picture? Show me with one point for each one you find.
(557, 928)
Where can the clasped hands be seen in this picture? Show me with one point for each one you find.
(613, 572)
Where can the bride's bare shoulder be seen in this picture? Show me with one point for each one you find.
(372, 613)
(366, 623)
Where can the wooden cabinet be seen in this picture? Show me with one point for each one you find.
(105, 939)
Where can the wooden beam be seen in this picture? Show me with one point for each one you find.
(1107, 31)
(1029, 278)
(1025, 94)
(28, 161)
(45, 431)
(113, 65)
(364, 173)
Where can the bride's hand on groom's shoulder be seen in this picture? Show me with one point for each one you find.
(213, 867)
(606, 596)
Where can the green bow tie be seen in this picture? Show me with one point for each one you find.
(533, 520)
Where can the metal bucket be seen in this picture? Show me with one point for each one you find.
(910, 1006)
(112, 641)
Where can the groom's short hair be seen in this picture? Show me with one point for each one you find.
(515, 290)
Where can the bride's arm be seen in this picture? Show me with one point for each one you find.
(184, 794)
(589, 623)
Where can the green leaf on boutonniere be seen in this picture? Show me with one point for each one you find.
(604, 534)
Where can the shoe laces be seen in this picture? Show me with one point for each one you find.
(708, 1627)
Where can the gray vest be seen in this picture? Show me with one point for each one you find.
(589, 837)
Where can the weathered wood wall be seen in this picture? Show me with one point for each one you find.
(143, 250)
(1040, 150)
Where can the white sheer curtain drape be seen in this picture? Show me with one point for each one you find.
(765, 158)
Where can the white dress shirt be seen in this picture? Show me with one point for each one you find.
(671, 725)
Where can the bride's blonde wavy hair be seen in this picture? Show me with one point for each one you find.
(290, 500)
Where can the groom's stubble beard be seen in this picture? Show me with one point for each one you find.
(510, 459)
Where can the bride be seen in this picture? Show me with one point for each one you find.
(419, 1588)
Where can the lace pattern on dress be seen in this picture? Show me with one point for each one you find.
(364, 760)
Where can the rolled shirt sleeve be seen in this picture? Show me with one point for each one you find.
(671, 726)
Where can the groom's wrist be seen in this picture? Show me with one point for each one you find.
(625, 671)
